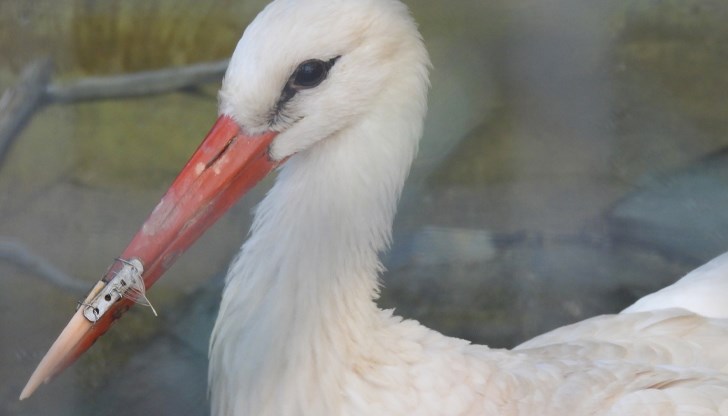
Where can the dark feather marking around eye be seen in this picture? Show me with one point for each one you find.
(308, 74)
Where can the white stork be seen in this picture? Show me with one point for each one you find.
(334, 92)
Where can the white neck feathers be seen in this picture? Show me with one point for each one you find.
(298, 303)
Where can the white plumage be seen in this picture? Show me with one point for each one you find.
(298, 332)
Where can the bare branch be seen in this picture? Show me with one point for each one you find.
(19, 255)
(19, 102)
(138, 84)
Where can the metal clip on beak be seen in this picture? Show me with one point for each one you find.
(126, 283)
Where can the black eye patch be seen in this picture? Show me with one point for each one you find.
(308, 74)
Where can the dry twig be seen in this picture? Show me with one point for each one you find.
(18, 104)
(21, 256)
(138, 84)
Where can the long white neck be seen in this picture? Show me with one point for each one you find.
(298, 306)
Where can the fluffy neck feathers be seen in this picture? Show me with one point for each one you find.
(298, 305)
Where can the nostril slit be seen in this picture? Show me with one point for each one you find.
(220, 155)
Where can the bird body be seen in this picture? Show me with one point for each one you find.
(299, 333)
(334, 91)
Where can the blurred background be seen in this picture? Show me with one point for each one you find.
(574, 160)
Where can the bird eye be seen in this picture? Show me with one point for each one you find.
(311, 73)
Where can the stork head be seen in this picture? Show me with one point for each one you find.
(308, 69)
(304, 71)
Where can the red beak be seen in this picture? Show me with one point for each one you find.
(227, 164)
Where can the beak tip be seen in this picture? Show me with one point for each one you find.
(32, 385)
(28, 390)
(60, 352)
